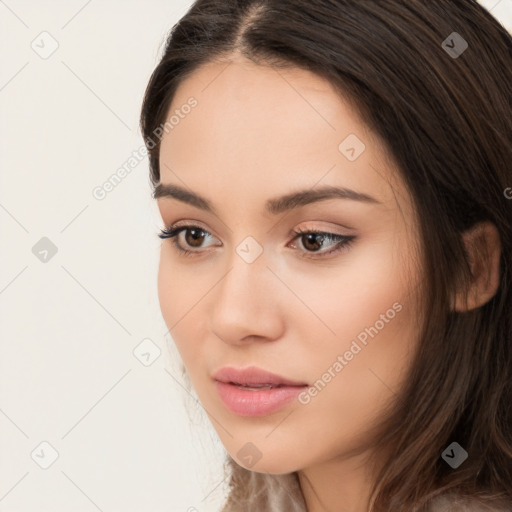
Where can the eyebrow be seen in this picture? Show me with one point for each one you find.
(274, 206)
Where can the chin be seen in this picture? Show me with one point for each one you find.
(270, 467)
(266, 460)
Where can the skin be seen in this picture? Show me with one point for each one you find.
(258, 133)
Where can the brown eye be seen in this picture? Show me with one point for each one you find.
(187, 240)
(313, 241)
(194, 237)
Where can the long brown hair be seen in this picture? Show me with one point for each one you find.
(446, 118)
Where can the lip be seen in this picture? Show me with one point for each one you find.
(253, 376)
(255, 402)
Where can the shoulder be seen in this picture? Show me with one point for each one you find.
(457, 503)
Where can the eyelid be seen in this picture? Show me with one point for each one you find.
(347, 231)
(188, 224)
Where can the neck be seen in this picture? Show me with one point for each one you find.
(337, 485)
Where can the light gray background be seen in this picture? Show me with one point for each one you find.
(69, 325)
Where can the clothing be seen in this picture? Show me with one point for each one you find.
(452, 503)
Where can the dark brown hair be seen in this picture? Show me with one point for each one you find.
(447, 122)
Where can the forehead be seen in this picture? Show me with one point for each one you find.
(255, 127)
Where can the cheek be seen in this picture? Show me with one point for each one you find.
(367, 380)
(179, 295)
(368, 310)
(352, 295)
(169, 290)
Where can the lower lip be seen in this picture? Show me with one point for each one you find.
(248, 402)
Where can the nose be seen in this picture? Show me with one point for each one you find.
(248, 303)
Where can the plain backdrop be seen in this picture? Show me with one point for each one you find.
(94, 412)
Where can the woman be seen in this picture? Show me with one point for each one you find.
(334, 178)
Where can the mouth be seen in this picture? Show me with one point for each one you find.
(255, 388)
(255, 392)
(253, 377)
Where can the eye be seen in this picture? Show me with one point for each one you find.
(314, 241)
(194, 237)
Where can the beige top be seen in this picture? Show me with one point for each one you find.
(451, 503)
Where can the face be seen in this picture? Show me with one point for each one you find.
(334, 309)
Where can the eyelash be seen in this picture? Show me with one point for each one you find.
(344, 241)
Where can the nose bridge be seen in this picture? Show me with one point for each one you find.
(244, 284)
(244, 303)
(248, 267)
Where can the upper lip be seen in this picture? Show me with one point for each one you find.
(251, 376)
